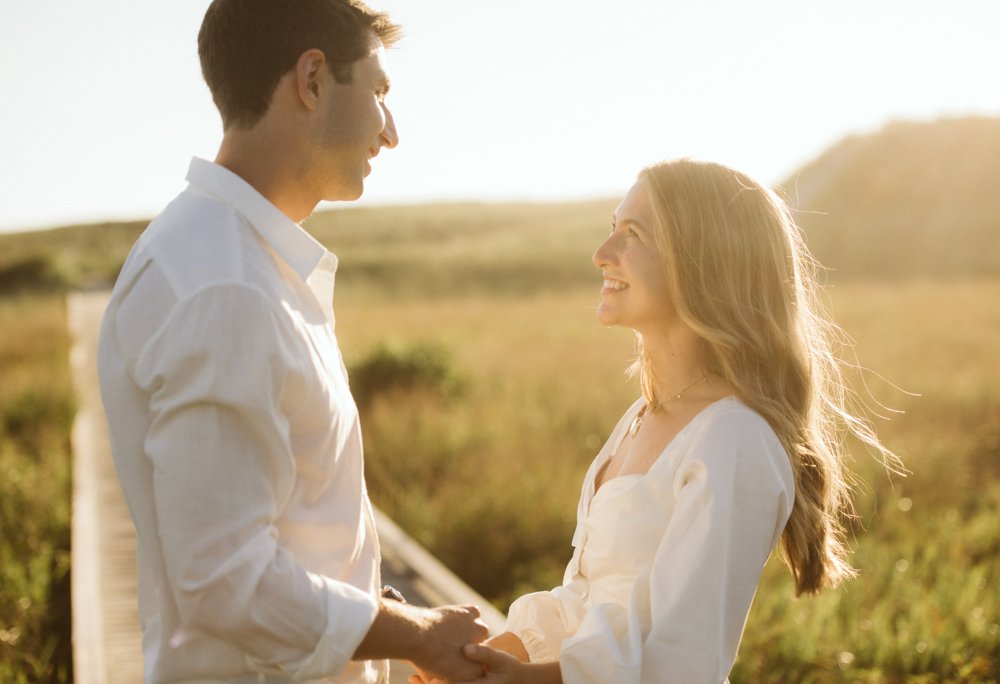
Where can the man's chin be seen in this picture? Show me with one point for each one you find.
(347, 193)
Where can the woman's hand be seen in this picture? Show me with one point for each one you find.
(500, 667)
(510, 643)
(507, 642)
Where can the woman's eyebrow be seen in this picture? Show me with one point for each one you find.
(634, 224)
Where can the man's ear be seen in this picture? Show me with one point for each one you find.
(309, 72)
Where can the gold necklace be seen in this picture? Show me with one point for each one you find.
(633, 429)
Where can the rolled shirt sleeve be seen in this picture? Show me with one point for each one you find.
(221, 374)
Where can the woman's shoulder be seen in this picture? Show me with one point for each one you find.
(731, 435)
(730, 416)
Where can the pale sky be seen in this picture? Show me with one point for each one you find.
(103, 101)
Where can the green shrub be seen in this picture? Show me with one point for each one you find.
(33, 273)
(389, 369)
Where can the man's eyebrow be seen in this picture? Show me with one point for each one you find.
(386, 86)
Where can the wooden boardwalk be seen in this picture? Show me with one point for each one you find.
(106, 634)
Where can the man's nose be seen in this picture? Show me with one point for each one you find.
(390, 138)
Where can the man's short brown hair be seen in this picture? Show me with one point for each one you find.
(246, 46)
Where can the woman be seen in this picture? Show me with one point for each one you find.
(734, 444)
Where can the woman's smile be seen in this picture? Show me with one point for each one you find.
(612, 285)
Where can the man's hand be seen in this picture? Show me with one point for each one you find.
(446, 631)
(431, 638)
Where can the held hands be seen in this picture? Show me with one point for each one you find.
(500, 662)
(430, 638)
(445, 630)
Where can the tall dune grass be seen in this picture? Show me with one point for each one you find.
(482, 461)
(36, 412)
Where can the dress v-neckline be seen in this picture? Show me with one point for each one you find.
(621, 438)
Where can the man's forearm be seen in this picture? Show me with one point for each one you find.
(395, 633)
(431, 638)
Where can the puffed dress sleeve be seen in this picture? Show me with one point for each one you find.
(544, 619)
(728, 494)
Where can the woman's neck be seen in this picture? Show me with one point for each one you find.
(676, 361)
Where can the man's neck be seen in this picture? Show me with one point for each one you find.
(268, 166)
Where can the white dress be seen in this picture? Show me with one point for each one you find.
(665, 564)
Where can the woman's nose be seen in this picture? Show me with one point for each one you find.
(602, 257)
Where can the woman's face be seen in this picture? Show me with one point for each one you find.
(635, 292)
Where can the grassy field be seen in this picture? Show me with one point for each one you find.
(487, 387)
(36, 412)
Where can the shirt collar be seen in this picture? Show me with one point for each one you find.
(300, 250)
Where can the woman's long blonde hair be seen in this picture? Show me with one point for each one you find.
(742, 278)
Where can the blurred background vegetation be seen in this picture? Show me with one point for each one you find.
(469, 333)
(915, 200)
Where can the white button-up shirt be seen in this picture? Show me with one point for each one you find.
(237, 445)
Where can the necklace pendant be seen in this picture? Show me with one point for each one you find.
(633, 429)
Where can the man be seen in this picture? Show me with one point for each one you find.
(233, 430)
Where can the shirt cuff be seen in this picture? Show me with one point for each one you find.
(350, 613)
(537, 648)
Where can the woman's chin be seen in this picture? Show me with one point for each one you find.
(606, 318)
